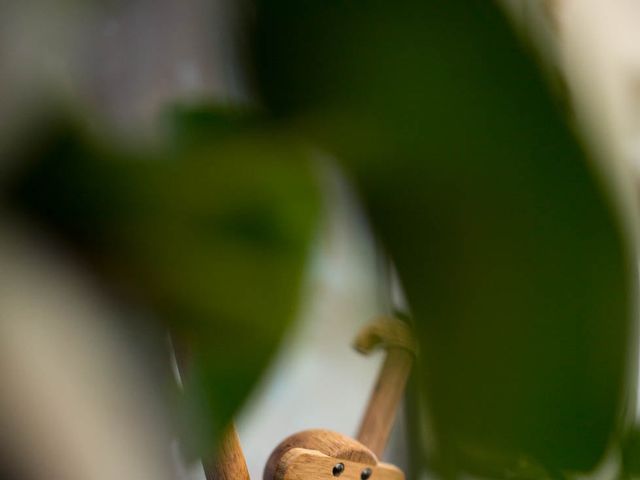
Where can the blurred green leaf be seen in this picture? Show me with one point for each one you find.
(509, 249)
(631, 454)
(214, 237)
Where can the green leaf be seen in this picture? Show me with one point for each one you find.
(511, 253)
(214, 237)
(631, 454)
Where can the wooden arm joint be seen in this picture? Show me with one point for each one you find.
(385, 332)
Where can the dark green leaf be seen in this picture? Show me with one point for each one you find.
(213, 237)
(631, 454)
(511, 255)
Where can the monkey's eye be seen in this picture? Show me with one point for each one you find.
(338, 469)
(366, 473)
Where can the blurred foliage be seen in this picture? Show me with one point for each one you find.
(631, 454)
(509, 249)
(213, 234)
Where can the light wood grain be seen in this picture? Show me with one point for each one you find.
(383, 404)
(303, 464)
(331, 444)
(388, 392)
(229, 463)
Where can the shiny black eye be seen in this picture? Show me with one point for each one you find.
(338, 469)
(366, 473)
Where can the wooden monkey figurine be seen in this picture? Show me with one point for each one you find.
(322, 454)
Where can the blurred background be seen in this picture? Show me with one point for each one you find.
(236, 177)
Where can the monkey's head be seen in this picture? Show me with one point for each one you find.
(325, 455)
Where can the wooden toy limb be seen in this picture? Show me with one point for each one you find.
(228, 462)
(396, 337)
